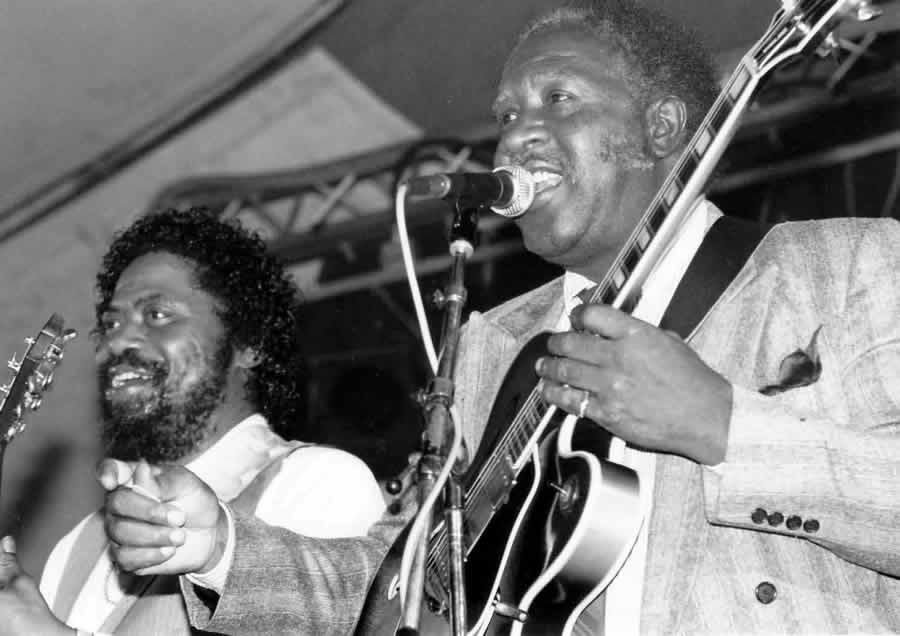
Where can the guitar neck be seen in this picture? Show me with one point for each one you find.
(659, 224)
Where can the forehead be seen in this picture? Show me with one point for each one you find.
(159, 274)
(558, 52)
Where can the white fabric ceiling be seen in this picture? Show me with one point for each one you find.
(83, 75)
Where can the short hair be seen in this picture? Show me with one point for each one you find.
(259, 300)
(664, 57)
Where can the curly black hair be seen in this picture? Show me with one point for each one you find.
(259, 300)
(664, 57)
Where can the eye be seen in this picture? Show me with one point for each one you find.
(107, 323)
(157, 316)
(558, 97)
(506, 117)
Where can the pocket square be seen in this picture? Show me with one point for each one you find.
(799, 368)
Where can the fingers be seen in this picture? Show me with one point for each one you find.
(174, 482)
(130, 503)
(580, 402)
(144, 480)
(573, 373)
(142, 535)
(602, 320)
(141, 560)
(112, 473)
(9, 564)
(580, 346)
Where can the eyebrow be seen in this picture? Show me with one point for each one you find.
(537, 77)
(141, 300)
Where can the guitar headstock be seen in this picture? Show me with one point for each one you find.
(801, 25)
(31, 376)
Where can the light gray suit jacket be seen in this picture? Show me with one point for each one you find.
(828, 452)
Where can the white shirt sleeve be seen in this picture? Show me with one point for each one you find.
(215, 578)
(322, 492)
(319, 492)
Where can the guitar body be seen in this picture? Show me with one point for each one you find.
(570, 520)
(556, 525)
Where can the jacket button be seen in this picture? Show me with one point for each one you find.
(811, 526)
(766, 592)
(775, 519)
(793, 522)
(758, 516)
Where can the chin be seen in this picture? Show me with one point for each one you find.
(549, 242)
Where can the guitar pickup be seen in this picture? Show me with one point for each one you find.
(485, 499)
(500, 483)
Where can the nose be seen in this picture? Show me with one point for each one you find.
(518, 137)
(114, 341)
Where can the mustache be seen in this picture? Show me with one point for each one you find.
(616, 148)
(132, 358)
(552, 157)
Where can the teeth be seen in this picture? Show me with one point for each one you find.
(544, 178)
(127, 376)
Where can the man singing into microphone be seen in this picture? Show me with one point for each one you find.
(766, 440)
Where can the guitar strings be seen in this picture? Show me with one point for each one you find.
(439, 544)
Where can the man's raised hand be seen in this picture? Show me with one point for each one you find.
(161, 519)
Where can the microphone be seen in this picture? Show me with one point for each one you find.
(508, 190)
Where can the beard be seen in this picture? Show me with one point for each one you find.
(171, 422)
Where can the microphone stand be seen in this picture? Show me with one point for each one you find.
(438, 436)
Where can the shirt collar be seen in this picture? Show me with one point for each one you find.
(238, 456)
(692, 230)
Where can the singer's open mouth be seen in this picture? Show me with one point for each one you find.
(545, 180)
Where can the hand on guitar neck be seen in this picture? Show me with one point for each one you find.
(641, 383)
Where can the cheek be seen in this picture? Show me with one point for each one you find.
(187, 360)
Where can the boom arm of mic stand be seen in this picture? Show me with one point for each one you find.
(438, 435)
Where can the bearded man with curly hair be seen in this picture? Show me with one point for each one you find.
(199, 365)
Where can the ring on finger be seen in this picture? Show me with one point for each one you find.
(582, 406)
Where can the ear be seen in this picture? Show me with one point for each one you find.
(246, 358)
(666, 119)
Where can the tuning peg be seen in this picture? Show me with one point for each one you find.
(14, 364)
(69, 334)
(828, 46)
(865, 11)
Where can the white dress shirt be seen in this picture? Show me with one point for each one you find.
(319, 491)
(624, 594)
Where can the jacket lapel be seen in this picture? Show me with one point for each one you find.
(491, 343)
(725, 249)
